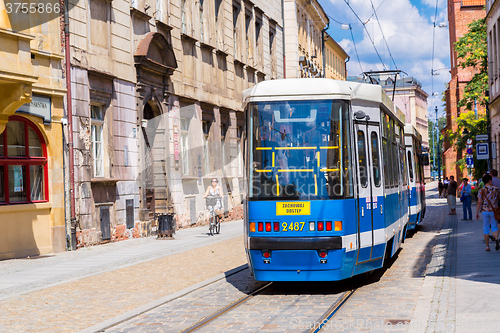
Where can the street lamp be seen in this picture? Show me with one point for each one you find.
(437, 148)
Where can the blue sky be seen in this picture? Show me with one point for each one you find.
(408, 30)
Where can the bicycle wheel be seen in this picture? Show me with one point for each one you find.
(211, 225)
(217, 224)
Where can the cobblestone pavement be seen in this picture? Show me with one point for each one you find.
(385, 303)
(74, 306)
(441, 281)
(282, 307)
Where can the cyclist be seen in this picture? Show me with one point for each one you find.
(213, 194)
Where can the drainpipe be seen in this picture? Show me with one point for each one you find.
(323, 40)
(283, 32)
(70, 126)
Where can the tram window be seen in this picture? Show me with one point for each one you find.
(362, 159)
(405, 166)
(387, 183)
(375, 159)
(300, 150)
(385, 149)
(394, 160)
(410, 165)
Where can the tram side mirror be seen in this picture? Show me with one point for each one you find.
(359, 114)
(425, 159)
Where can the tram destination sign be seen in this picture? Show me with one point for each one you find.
(293, 208)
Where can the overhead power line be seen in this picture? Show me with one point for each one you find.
(370, 37)
(383, 36)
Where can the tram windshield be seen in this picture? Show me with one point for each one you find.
(299, 150)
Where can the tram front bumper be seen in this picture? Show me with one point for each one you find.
(295, 243)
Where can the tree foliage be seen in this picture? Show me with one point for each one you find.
(474, 126)
(432, 129)
(472, 52)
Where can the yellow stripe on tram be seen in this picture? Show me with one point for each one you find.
(327, 170)
(295, 170)
(317, 157)
(294, 148)
(315, 185)
(329, 147)
(278, 186)
(257, 170)
(273, 159)
(264, 148)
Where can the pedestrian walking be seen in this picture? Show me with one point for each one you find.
(452, 196)
(480, 184)
(495, 181)
(466, 192)
(440, 188)
(486, 203)
(445, 184)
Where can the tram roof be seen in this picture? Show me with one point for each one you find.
(319, 88)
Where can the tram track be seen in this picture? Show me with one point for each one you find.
(320, 324)
(308, 307)
(205, 321)
(332, 311)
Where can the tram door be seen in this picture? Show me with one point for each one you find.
(369, 189)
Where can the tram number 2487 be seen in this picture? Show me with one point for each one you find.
(293, 226)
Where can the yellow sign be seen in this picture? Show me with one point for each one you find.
(293, 208)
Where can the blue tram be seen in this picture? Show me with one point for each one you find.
(416, 161)
(326, 179)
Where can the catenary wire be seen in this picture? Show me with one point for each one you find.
(368, 33)
(383, 36)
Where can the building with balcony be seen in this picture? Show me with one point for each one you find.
(156, 95)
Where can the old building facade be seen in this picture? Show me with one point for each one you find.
(305, 23)
(493, 39)
(412, 100)
(335, 59)
(156, 91)
(32, 94)
(460, 14)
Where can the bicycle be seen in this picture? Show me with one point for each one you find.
(214, 223)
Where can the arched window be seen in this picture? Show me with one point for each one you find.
(23, 163)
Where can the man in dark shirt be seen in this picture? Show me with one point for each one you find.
(452, 196)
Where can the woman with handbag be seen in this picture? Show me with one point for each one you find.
(487, 205)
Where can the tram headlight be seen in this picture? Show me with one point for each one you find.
(311, 226)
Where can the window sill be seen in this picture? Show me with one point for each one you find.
(25, 207)
(163, 25)
(188, 37)
(110, 181)
(140, 14)
(190, 178)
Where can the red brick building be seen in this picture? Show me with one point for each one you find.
(460, 14)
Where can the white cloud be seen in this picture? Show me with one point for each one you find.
(408, 31)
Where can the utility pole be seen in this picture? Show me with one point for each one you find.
(437, 148)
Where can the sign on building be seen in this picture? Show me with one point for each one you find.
(482, 137)
(482, 152)
(40, 106)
